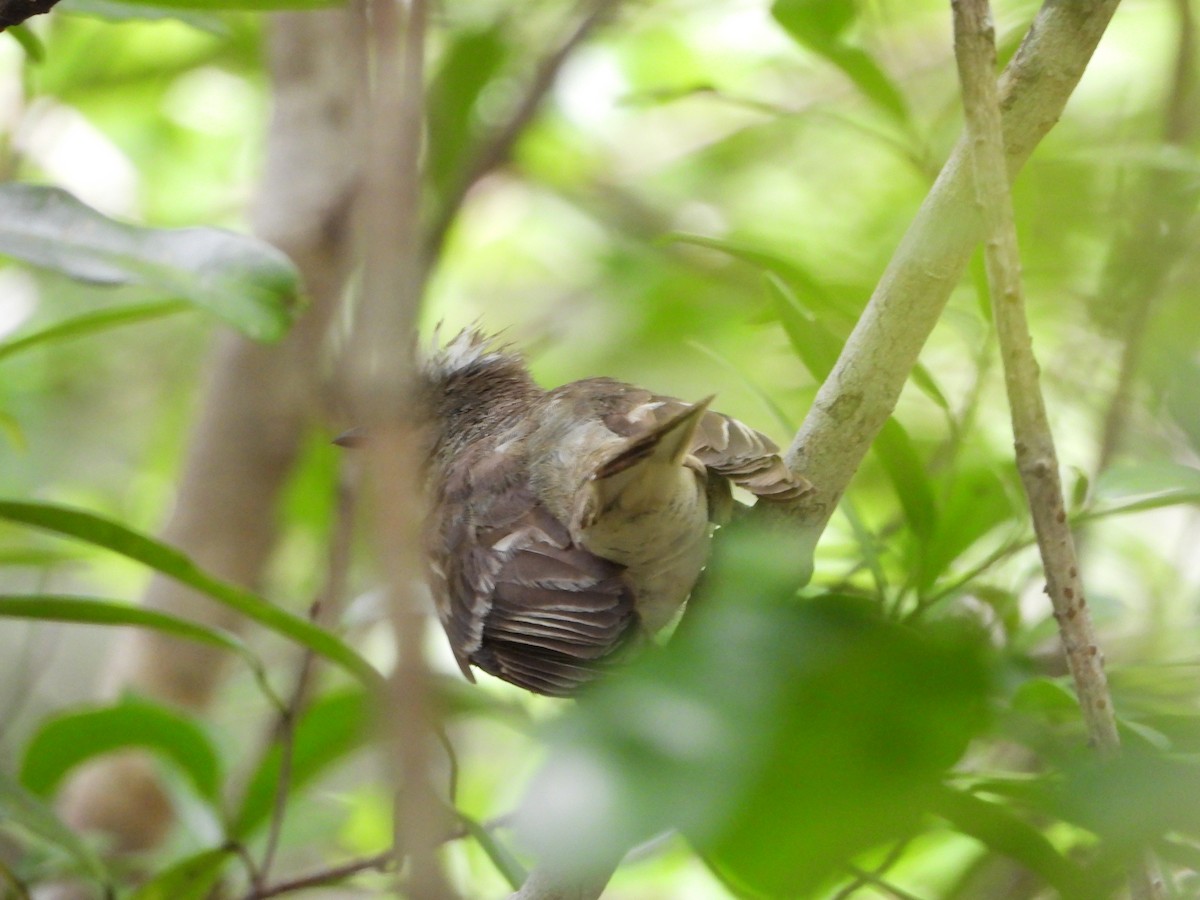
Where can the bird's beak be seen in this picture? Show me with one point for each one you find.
(352, 438)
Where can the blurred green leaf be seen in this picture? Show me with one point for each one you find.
(246, 282)
(21, 810)
(789, 270)
(333, 727)
(468, 66)
(91, 322)
(13, 433)
(95, 611)
(975, 501)
(1132, 800)
(906, 472)
(132, 11)
(30, 42)
(502, 858)
(816, 346)
(67, 739)
(1121, 482)
(116, 537)
(191, 878)
(820, 26)
(1046, 695)
(781, 737)
(997, 827)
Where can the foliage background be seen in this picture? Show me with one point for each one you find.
(684, 118)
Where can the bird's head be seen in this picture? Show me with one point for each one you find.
(475, 383)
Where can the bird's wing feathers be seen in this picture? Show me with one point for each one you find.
(724, 445)
(517, 597)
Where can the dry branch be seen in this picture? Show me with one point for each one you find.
(1037, 460)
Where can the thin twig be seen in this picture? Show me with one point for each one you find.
(380, 862)
(860, 875)
(1037, 461)
(495, 150)
(886, 887)
(324, 610)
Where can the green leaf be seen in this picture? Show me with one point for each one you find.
(34, 49)
(158, 556)
(65, 740)
(790, 271)
(13, 432)
(781, 737)
(191, 878)
(133, 11)
(928, 386)
(246, 282)
(975, 502)
(816, 346)
(998, 828)
(906, 471)
(467, 67)
(502, 858)
(91, 322)
(95, 611)
(334, 726)
(820, 26)
(1121, 482)
(25, 811)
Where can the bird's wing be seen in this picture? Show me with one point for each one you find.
(517, 597)
(724, 445)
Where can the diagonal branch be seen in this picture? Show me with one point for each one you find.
(861, 392)
(495, 150)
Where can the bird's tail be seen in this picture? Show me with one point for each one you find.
(667, 445)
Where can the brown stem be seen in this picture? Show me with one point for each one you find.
(1037, 460)
(382, 374)
(380, 862)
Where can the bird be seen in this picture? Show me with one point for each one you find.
(567, 525)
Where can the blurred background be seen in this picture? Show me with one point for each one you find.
(710, 189)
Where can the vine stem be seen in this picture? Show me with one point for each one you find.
(1037, 460)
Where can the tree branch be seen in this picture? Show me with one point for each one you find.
(382, 373)
(14, 12)
(495, 150)
(861, 392)
(1037, 460)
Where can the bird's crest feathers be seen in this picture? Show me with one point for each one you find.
(468, 352)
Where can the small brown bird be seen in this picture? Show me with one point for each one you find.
(566, 523)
